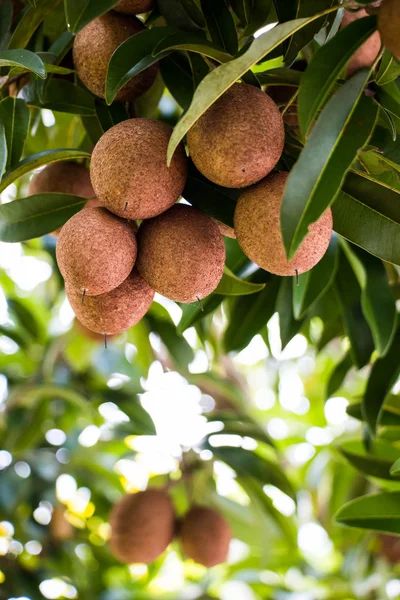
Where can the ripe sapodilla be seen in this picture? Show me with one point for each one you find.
(257, 227)
(96, 251)
(205, 536)
(95, 44)
(142, 526)
(129, 169)
(117, 310)
(134, 7)
(389, 25)
(239, 139)
(181, 254)
(367, 53)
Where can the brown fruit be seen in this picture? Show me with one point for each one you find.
(95, 44)
(226, 230)
(129, 169)
(367, 53)
(134, 7)
(257, 227)
(142, 526)
(181, 254)
(239, 139)
(205, 536)
(115, 311)
(96, 251)
(389, 25)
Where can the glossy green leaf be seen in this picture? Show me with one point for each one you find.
(177, 74)
(132, 57)
(320, 77)
(79, 14)
(367, 213)
(389, 69)
(3, 149)
(24, 59)
(257, 13)
(390, 415)
(380, 512)
(15, 116)
(109, 116)
(192, 43)
(36, 215)
(377, 300)
(6, 12)
(383, 376)
(338, 374)
(177, 345)
(239, 424)
(181, 14)
(223, 77)
(312, 284)
(30, 21)
(280, 76)
(376, 464)
(288, 325)
(344, 126)
(250, 314)
(220, 24)
(230, 285)
(395, 470)
(38, 160)
(63, 96)
(191, 313)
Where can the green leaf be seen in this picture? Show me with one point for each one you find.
(176, 344)
(230, 285)
(250, 314)
(367, 213)
(62, 96)
(257, 13)
(312, 284)
(390, 415)
(25, 317)
(376, 464)
(36, 215)
(109, 116)
(25, 59)
(383, 376)
(215, 201)
(181, 14)
(240, 424)
(380, 512)
(220, 24)
(377, 300)
(338, 374)
(395, 469)
(251, 464)
(389, 69)
(281, 76)
(6, 13)
(192, 43)
(3, 149)
(191, 313)
(30, 21)
(38, 160)
(344, 126)
(14, 114)
(79, 14)
(177, 75)
(223, 77)
(320, 77)
(348, 293)
(288, 325)
(132, 57)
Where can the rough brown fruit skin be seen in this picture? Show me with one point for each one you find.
(134, 7)
(257, 227)
(205, 536)
(239, 139)
(389, 25)
(96, 251)
(129, 165)
(181, 254)
(115, 311)
(367, 53)
(94, 46)
(142, 526)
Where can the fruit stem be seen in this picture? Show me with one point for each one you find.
(83, 295)
(297, 277)
(200, 304)
(105, 341)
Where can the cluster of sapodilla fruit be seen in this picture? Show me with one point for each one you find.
(144, 524)
(111, 269)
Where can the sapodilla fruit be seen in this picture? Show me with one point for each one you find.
(205, 536)
(95, 44)
(129, 169)
(181, 254)
(134, 7)
(389, 25)
(367, 53)
(96, 251)
(257, 227)
(142, 526)
(239, 139)
(117, 310)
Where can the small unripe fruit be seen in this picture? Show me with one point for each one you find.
(239, 139)
(96, 251)
(181, 254)
(389, 25)
(142, 526)
(257, 227)
(134, 7)
(129, 169)
(367, 53)
(205, 536)
(95, 44)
